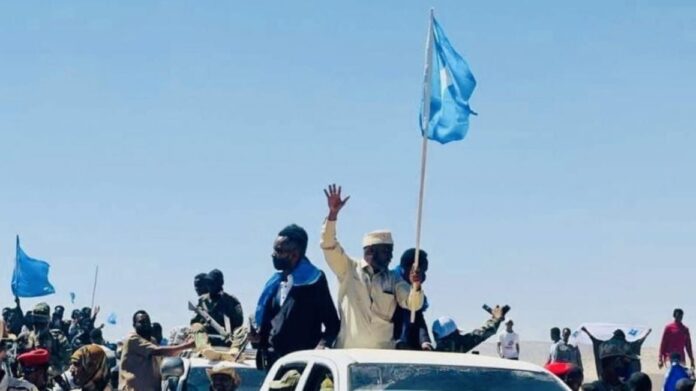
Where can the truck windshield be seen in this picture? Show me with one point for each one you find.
(377, 376)
(197, 379)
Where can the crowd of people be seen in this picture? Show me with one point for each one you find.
(617, 360)
(40, 346)
(378, 308)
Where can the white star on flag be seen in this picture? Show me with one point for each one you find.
(445, 80)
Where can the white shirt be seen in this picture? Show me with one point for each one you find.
(366, 300)
(285, 287)
(11, 384)
(508, 344)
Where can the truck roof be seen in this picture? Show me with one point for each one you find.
(351, 356)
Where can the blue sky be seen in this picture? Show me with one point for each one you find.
(162, 139)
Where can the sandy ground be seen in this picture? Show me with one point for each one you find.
(537, 353)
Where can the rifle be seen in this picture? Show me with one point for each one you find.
(210, 321)
(240, 340)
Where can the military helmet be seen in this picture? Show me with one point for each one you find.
(41, 312)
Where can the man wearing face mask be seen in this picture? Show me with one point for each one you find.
(139, 368)
(200, 284)
(295, 304)
(219, 304)
(369, 292)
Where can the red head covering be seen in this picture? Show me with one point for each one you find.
(559, 369)
(34, 358)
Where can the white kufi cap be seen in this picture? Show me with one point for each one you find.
(377, 237)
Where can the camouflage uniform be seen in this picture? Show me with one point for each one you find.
(462, 343)
(52, 340)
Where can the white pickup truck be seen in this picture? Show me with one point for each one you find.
(344, 370)
(188, 373)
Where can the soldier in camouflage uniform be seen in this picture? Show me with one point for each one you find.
(450, 339)
(52, 340)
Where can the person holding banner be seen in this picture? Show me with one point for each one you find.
(369, 292)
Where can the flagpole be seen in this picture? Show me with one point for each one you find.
(94, 289)
(425, 120)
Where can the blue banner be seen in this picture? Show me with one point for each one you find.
(450, 86)
(30, 276)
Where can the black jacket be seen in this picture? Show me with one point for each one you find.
(410, 336)
(297, 324)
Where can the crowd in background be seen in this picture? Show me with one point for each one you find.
(378, 308)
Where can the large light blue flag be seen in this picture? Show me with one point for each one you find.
(30, 276)
(445, 108)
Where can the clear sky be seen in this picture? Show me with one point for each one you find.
(161, 139)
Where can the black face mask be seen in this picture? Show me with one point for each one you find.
(281, 264)
(214, 289)
(380, 263)
(144, 331)
(623, 370)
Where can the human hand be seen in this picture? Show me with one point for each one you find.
(415, 278)
(498, 313)
(427, 346)
(333, 198)
(660, 363)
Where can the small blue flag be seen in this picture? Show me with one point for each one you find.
(72, 297)
(30, 276)
(111, 319)
(445, 108)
